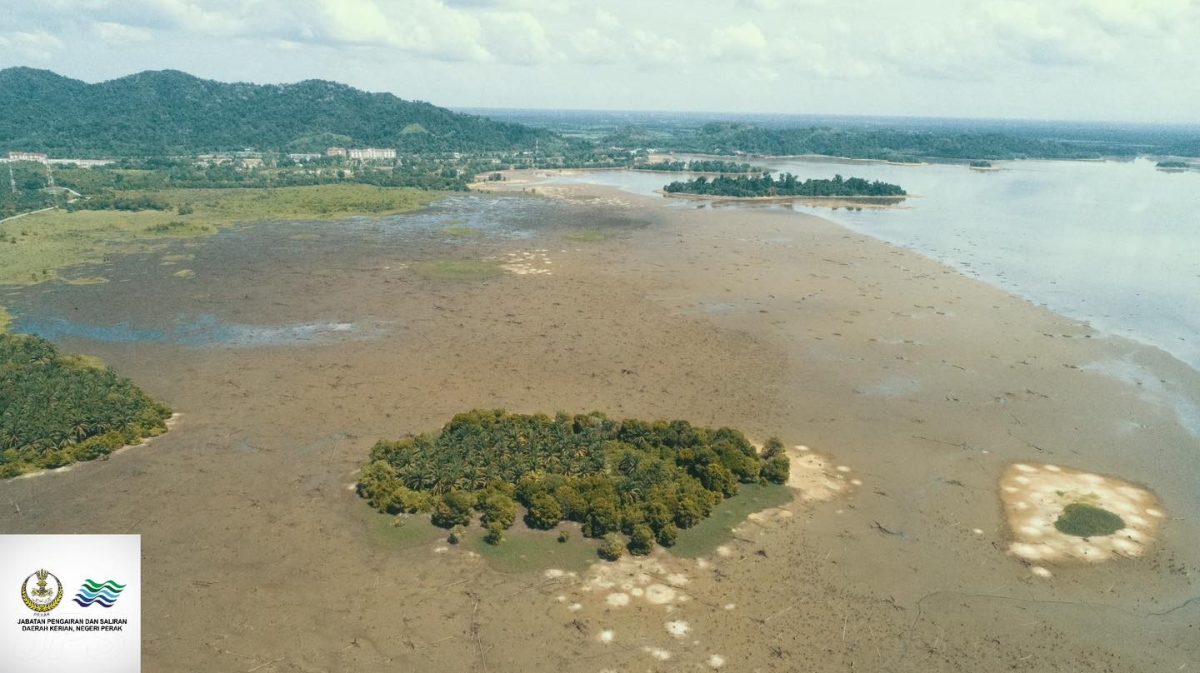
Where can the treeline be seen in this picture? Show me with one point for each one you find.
(785, 185)
(633, 478)
(57, 409)
(700, 166)
(129, 203)
(907, 145)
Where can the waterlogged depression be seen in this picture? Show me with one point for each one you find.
(202, 293)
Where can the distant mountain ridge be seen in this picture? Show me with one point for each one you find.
(169, 112)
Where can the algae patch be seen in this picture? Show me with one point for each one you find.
(1084, 520)
(458, 269)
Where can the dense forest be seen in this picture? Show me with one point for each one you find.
(785, 185)
(57, 409)
(700, 166)
(643, 480)
(170, 113)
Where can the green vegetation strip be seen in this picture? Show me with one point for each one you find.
(35, 248)
(1084, 520)
(57, 409)
(633, 483)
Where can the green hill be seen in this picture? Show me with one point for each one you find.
(171, 112)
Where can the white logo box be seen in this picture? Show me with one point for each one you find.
(94, 627)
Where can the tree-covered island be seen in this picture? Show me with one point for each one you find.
(786, 185)
(633, 483)
(56, 409)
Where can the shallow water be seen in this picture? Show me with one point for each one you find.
(145, 301)
(1116, 244)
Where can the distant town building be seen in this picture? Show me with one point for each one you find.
(335, 152)
(81, 163)
(28, 156)
(372, 153)
(303, 157)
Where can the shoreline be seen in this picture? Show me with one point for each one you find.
(1102, 328)
(922, 384)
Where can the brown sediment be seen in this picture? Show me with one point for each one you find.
(925, 384)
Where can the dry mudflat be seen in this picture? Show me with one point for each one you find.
(914, 388)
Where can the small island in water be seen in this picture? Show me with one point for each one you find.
(57, 409)
(1172, 165)
(632, 483)
(786, 185)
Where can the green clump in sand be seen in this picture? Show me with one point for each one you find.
(644, 480)
(590, 235)
(1084, 520)
(457, 269)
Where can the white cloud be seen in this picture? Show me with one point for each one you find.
(34, 45)
(919, 56)
(118, 34)
(744, 41)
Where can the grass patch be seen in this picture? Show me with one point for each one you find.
(457, 269)
(411, 532)
(462, 231)
(5, 320)
(40, 245)
(88, 280)
(1084, 520)
(179, 229)
(589, 235)
(717, 529)
(524, 550)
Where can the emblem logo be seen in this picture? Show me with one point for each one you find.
(105, 593)
(45, 595)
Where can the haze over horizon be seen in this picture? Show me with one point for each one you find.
(1084, 60)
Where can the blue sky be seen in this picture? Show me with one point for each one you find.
(1128, 60)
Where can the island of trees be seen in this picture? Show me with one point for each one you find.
(56, 409)
(700, 166)
(1172, 165)
(783, 186)
(633, 483)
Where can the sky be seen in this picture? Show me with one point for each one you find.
(1088, 60)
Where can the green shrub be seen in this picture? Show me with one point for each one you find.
(495, 533)
(453, 509)
(612, 548)
(641, 540)
(544, 512)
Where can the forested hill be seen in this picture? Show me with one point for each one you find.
(170, 112)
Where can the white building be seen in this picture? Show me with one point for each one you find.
(372, 153)
(28, 156)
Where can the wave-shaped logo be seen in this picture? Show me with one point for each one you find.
(104, 593)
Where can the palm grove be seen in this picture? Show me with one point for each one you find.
(630, 479)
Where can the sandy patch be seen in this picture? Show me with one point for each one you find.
(534, 263)
(1036, 495)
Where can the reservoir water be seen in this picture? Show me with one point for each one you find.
(1115, 244)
